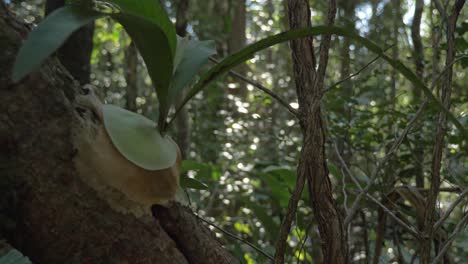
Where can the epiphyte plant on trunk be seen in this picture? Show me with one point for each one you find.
(172, 64)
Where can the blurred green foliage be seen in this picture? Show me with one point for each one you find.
(245, 147)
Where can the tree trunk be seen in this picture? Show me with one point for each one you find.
(238, 40)
(131, 76)
(312, 163)
(52, 216)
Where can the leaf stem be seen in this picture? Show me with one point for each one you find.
(237, 58)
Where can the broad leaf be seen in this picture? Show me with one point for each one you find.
(155, 51)
(150, 10)
(13, 256)
(242, 55)
(262, 214)
(154, 35)
(191, 183)
(279, 190)
(191, 55)
(138, 140)
(200, 168)
(48, 36)
(181, 44)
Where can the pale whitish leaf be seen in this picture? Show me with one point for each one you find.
(13, 256)
(138, 140)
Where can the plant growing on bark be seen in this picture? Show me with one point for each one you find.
(172, 62)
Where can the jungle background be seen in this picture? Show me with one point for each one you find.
(244, 145)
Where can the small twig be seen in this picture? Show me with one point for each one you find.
(262, 88)
(236, 237)
(449, 190)
(343, 189)
(365, 235)
(456, 231)
(450, 209)
(415, 255)
(403, 224)
(356, 73)
(438, 149)
(458, 58)
(346, 168)
(393, 148)
(441, 10)
(303, 241)
(372, 198)
(288, 219)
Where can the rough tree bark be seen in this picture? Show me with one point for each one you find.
(48, 212)
(312, 163)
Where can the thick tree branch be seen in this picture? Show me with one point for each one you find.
(196, 242)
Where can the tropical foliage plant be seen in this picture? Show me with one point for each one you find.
(172, 62)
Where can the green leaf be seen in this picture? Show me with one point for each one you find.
(242, 55)
(279, 190)
(181, 44)
(13, 256)
(48, 36)
(262, 214)
(154, 35)
(138, 140)
(192, 165)
(149, 10)
(191, 55)
(192, 183)
(335, 171)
